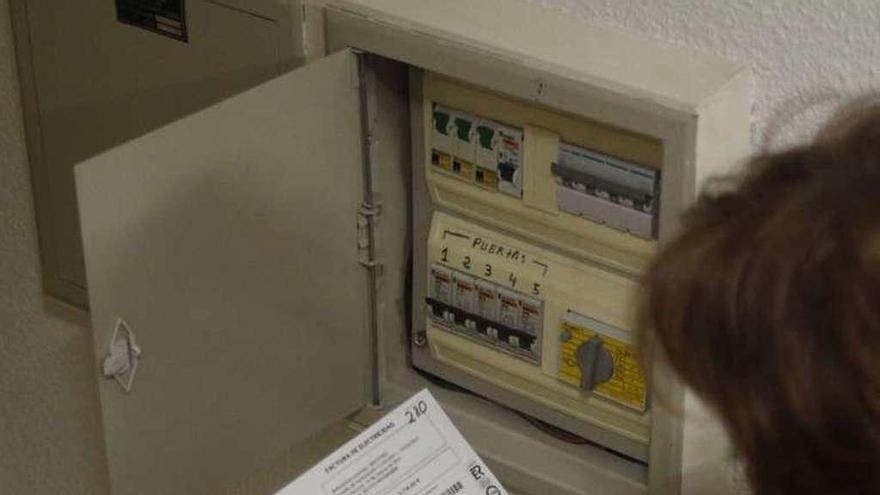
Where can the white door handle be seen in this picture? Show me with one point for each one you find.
(120, 362)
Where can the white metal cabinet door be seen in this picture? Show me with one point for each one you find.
(228, 243)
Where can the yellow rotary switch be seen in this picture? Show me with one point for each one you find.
(601, 359)
(595, 363)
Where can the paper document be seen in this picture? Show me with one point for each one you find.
(414, 450)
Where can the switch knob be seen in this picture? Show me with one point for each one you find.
(506, 171)
(595, 363)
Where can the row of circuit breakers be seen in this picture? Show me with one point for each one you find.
(506, 318)
(590, 184)
(599, 188)
(593, 356)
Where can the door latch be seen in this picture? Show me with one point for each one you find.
(121, 360)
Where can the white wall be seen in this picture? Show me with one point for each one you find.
(49, 425)
(807, 56)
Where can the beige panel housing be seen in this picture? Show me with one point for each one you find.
(658, 109)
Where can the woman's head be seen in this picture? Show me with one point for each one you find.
(768, 305)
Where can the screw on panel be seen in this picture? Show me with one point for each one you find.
(420, 339)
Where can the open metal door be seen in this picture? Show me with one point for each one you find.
(224, 282)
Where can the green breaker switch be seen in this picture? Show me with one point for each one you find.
(441, 122)
(595, 363)
(486, 137)
(463, 129)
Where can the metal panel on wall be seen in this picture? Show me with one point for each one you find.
(96, 73)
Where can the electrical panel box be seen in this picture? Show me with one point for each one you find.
(554, 323)
(447, 200)
(97, 73)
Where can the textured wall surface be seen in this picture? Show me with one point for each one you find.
(806, 54)
(50, 439)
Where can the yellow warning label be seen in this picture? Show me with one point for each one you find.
(487, 178)
(627, 383)
(463, 168)
(441, 159)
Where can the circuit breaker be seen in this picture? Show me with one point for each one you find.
(476, 149)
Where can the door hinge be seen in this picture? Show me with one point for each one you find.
(367, 214)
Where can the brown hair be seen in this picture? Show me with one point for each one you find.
(767, 304)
